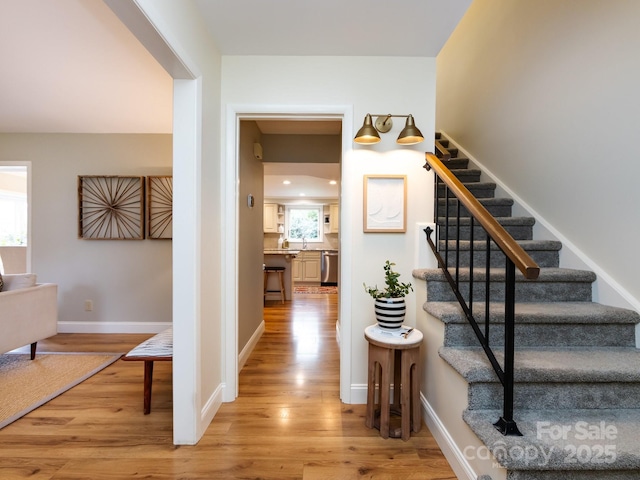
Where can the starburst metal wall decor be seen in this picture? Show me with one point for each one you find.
(111, 207)
(160, 207)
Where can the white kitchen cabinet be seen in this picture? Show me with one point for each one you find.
(306, 267)
(334, 218)
(273, 218)
(296, 269)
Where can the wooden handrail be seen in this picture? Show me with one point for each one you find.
(507, 244)
(445, 153)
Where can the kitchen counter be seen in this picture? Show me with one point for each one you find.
(281, 251)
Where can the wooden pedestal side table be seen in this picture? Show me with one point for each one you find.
(392, 355)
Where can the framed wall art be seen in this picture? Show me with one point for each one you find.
(385, 203)
(110, 207)
(160, 207)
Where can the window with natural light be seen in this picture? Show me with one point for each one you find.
(13, 206)
(304, 222)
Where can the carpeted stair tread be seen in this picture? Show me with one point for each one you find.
(520, 228)
(480, 245)
(558, 324)
(536, 312)
(457, 163)
(566, 364)
(504, 221)
(484, 201)
(617, 428)
(483, 185)
(466, 174)
(498, 275)
(477, 189)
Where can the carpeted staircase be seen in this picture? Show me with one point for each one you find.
(577, 371)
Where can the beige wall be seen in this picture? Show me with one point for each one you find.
(544, 94)
(302, 148)
(250, 238)
(129, 282)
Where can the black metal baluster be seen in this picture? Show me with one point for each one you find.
(446, 226)
(436, 181)
(487, 293)
(458, 245)
(506, 424)
(471, 251)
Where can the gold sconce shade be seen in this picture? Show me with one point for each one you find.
(370, 132)
(367, 134)
(410, 135)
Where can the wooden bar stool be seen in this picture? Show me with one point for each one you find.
(280, 272)
(398, 356)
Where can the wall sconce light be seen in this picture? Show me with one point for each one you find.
(368, 134)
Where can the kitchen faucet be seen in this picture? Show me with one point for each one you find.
(304, 243)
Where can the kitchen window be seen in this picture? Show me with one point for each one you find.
(304, 221)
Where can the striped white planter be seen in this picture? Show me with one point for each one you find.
(390, 312)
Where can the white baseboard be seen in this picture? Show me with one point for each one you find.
(211, 407)
(112, 327)
(358, 393)
(459, 464)
(251, 344)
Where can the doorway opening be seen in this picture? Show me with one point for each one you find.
(291, 169)
(237, 207)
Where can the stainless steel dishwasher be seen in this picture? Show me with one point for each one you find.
(329, 268)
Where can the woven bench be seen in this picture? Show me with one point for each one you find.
(158, 348)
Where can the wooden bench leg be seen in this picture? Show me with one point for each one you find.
(33, 350)
(148, 380)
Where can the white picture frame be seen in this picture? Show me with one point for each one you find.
(385, 204)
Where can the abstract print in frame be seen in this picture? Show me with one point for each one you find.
(110, 207)
(385, 203)
(160, 207)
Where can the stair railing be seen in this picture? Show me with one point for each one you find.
(515, 257)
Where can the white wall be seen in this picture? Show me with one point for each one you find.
(180, 42)
(544, 94)
(368, 85)
(129, 281)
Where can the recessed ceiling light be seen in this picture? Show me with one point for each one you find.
(302, 194)
(287, 182)
(332, 182)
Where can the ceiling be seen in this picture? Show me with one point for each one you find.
(408, 28)
(306, 180)
(72, 66)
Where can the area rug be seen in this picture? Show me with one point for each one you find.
(302, 290)
(26, 384)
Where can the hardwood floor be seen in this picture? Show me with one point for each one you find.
(288, 422)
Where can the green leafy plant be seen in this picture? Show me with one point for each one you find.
(394, 288)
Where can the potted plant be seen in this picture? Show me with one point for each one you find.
(390, 307)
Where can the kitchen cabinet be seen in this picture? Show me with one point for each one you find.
(334, 218)
(273, 218)
(306, 267)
